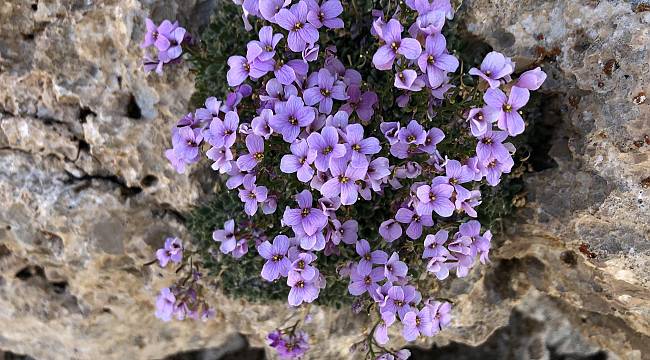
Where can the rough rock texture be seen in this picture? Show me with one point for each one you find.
(87, 195)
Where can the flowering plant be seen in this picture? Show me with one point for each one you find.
(329, 184)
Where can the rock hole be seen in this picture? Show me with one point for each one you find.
(29, 272)
(544, 117)
(4, 251)
(149, 180)
(35, 6)
(84, 146)
(129, 191)
(569, 257)
(236, 347)
(132, 109)
(84, 112)
(59, 287)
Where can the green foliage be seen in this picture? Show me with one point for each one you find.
(355, 46)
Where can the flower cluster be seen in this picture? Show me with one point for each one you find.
(168, 39)
(301, 141)
(185, 299)
(290, 344)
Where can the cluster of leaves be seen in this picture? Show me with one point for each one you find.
(355, 45)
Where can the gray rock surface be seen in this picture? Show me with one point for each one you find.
(87, 195)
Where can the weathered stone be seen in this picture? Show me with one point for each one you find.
(88, 196)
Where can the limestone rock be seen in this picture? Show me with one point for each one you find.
(88, 196)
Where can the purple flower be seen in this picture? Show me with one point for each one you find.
(346, 232)
(173, 250)
(325, 14)
(302, 290)
(369, 258)
(479, 244)
(468, 204)
(343, 181)
(433, 138)
(175, 49)
(396, 301)
(260, 124)
(415, 221)
(490, 144)
(177, 162)
(270, 205)
(325, 90)
(338, 121)
(315, 242)
(243, 67)
(381, 332)
(284, 72)
(493, 167)
(158, 35)
(251, 7)
(209, 112)
(151, 64)
(302, 266)
(358, 147)
(416, 323)
(435, 62)
(186, 141)
(251, 195)
(378, 172)
(222, 159)
(435, 197)
(430, 22)
(531, 79)
(326, 145)
(270, 8)
(361, 103)
(305, 217)
(361, 283)
(391, 131)
(439, 266)
(226, 237)
(479, 121)
(390, 230)
(290, 117)
(440, 314)
(165, 305)
(301, 32)
(434, 245)
(494, 67)
(299, 161)
(240, 249)
(413, 133)
(255, 146)
(506, 110)
(223, 133)
(395, 269)
(293, 346)
(277, 263)
(459, 174)
(408, 80)
(311, 53)
(391, 34)
(267, 43)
